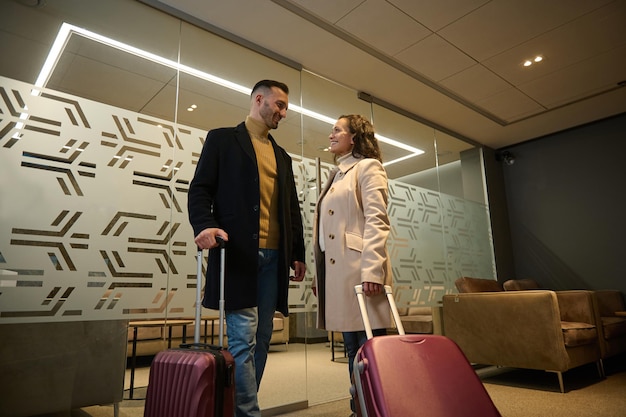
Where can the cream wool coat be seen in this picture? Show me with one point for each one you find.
(352, 209)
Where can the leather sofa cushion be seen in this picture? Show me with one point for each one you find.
(469, 284)
(578, 334)
(417, 319)
(521, 284)
(613, 327)
(279, 324)
(426, 311)
(417, 324)
(412, 311)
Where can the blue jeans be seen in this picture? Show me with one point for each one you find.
(352, 341)
(249, 332)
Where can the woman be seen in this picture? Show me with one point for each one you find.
(350, 236)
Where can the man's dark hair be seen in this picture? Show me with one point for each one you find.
(268, 84)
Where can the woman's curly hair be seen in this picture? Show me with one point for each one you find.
(365, 142)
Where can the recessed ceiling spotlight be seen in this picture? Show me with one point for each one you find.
(529, 62)
(193, 106)
(189, 108)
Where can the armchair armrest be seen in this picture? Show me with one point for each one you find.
(576, 306)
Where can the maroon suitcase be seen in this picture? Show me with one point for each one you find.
(195, 380)
(415, 375)
(191, 382)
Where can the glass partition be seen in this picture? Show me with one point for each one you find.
(104, 112)
(324, 102)
(438, 233)
(94, 169)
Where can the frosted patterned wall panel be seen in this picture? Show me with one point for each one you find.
(93, 219)
(435, 239)
(93, 215)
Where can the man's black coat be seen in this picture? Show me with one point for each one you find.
(225, 193)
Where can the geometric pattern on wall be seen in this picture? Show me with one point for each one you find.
(435, 238)
(93, 219)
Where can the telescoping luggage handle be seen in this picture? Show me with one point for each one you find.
(366, 320)
(196, 336)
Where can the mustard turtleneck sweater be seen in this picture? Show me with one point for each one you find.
(269, 227)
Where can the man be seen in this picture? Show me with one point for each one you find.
(244, 191)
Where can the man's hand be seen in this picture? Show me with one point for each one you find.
(372, 288)
(299, 269)
(206, 239)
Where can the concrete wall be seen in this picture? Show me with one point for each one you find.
(566, 207)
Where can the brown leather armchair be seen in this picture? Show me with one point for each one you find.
(537, 329)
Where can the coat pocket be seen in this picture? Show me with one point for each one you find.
(354, 241)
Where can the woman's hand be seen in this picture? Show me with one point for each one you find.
(372, 288)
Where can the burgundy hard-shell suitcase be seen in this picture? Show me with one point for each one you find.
(415, 375)
(195, 380)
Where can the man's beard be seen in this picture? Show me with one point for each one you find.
(268, 117)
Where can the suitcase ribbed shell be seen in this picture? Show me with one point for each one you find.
(186, 383)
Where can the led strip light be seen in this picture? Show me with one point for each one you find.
(67, 30)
